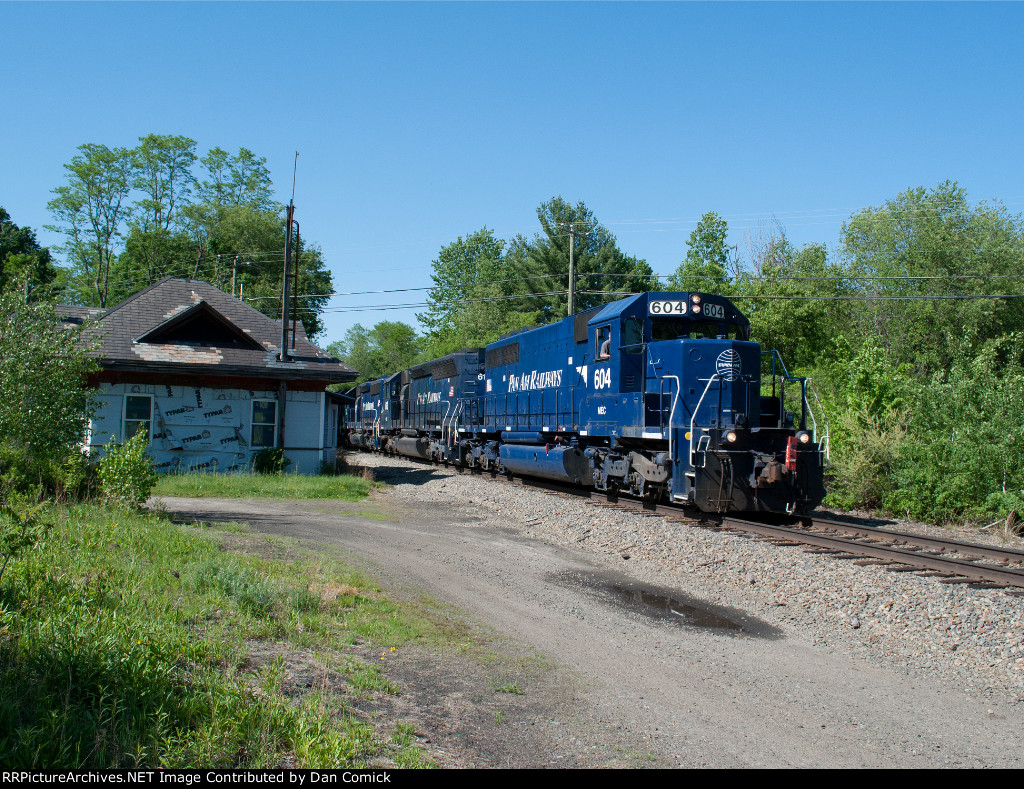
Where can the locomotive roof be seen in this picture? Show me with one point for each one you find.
(616, 308)
(444, 363)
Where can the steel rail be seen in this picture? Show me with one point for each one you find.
(1006, 576)
(941, 543)
(964, 568)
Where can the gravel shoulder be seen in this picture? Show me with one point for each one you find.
(671, 645)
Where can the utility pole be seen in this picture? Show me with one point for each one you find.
(295, 284)
(571, 227)
(286, 280)
(282, 392)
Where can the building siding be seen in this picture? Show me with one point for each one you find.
(209, 428)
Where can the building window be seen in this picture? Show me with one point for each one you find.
(264, 424)
(138, 415)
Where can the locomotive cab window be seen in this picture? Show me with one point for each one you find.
(633, 335)
(674, 329)
(603, 343)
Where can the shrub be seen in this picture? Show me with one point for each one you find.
(21, 527)
(22, 472)
(865, 458)
(126, 472)
(77, 478)
(966, 453)
(270, 461)
(253, 593)
(45, 401)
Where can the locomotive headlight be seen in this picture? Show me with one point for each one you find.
(695, 298)
(731, 436)
(803, 437)
(696, 309)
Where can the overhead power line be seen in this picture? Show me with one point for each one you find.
(410, 290)
(866, 297)
(734, 297)
(651, 276)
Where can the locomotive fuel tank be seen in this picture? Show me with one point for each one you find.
(565, 464)
(413, 447)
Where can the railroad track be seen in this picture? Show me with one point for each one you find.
(948, 561)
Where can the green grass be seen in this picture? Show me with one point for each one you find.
(507, 687)
(281, 486)
(127, 640)
(409, 756)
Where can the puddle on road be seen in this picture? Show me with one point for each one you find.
(668, 605)
(688, 613)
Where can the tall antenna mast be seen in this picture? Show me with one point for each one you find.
(295, 173)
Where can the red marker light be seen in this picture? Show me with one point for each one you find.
(791, 453)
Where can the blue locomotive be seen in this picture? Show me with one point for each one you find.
(659, 396)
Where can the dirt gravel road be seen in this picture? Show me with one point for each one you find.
(695, 686)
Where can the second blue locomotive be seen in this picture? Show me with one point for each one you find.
(659, 395)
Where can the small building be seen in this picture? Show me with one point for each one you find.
(202, 372)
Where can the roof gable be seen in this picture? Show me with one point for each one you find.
(200, 325)
(190, 326)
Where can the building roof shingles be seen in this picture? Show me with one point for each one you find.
(120, 327)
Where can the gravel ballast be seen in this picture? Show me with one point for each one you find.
(958, 634)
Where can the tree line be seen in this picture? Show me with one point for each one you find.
(484, 286)
(128, 217)
(910, 328)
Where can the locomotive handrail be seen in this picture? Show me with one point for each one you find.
(444, 420)
(825, 441)
(776, 355)
(693, 419)
(671, 416)
(805, 403)
(452, 430)
(784, 377)
(675, 400)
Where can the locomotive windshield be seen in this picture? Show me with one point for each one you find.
(684, 328)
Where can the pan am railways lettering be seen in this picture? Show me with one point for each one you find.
(534, 380)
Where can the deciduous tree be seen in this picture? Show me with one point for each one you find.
(707, 256)
(388, 347)
(478, 294)
(22, 259)
(91, 211)
(919, 257)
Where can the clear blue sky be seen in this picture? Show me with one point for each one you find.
(420, 122)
